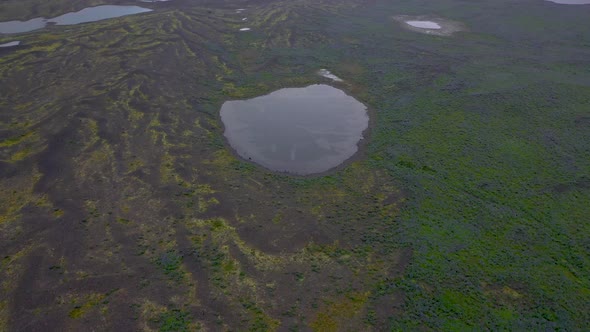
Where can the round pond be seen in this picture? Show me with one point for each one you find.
(296, 130)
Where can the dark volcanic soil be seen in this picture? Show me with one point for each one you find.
(122, 208)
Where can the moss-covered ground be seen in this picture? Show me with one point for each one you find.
(122, 208)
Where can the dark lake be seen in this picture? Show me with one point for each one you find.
(296, 130)
(85, 15)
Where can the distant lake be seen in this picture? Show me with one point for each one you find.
(85, 15)
(296, 130)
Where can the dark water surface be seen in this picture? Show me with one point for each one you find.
(296, 130)
(85, 15)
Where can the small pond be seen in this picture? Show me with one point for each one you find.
(424, 24)
(296, 130)
(328, 74)
(11, 44)
(85, 15)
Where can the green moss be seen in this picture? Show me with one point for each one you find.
(20, 155)
(90, 302)
(170, 262)
(259, 320)
(336, 315)
(477, 163)
(173, 320)
(15, 140)
(123, 221)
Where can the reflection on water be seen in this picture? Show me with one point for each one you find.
(296, 130)
(90, 14)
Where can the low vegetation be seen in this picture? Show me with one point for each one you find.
(467, 210)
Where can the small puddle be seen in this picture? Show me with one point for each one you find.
(10, 44)
(296, 130)
(571, 2)
(85, 15)
(327, 74)
(424, 24)
(434, 26)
